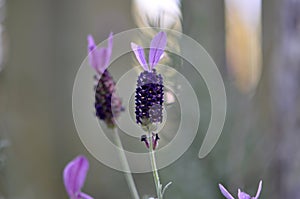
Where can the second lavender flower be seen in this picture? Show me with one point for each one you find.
(108, 105)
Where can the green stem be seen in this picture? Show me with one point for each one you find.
(158, 186)
(125, 165)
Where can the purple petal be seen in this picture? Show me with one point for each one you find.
(108, 51)
(74, 175)
(243, 195)
(157, 47)
(102, 54)
(93, 53)
(99, 58)
(85, 196)
(140, 55)
(91, 43)
(225, 192)
(258, 190)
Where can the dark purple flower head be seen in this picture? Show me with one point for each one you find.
(241, 195)
(107, 104)
(74, 176)
(149, 91)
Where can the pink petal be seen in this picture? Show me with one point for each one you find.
(140, 55)
(74, 175)
(225, 192)
(258, 190)
(157, 47)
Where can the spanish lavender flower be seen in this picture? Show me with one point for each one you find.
(74, 176)
(107, 104)
(241, 195)
(149, 91)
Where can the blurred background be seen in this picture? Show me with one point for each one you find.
(255, 44)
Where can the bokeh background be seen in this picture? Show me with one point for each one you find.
(44, 42)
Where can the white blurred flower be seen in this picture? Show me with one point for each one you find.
(157, 13)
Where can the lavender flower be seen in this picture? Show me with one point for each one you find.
(74, 176)
(107, 104)
(241, 195)
(149, 91)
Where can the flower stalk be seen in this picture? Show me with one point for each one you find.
(125, 165)
(158, 186)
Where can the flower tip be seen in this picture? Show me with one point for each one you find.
(225, 192)
(110, 41)
(221, 186)
(89, 37)
(82, 158)
(91, 42)
(134, 46)
(162, 34)
(258, 190)
(79, 160)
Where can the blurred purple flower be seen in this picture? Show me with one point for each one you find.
(99, 57)
(241, 195)
(107, 104)
(74, 176)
